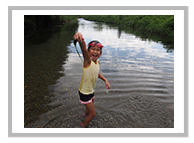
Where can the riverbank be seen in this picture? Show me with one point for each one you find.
(159, 24)
(39, 21)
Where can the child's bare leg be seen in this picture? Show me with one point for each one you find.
(86, 111)
(91, 113)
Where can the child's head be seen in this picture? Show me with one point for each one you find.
(94, 43)
(95, 49)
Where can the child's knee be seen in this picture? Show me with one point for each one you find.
(93, 114)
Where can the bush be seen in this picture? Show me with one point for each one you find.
(160, 24)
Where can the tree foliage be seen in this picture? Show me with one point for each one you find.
(38, 21)
(160, 24)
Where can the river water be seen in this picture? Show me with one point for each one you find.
(139, 70)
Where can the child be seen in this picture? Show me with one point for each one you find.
(89, 76)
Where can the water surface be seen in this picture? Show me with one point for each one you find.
(139, 70)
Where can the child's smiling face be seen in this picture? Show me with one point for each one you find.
(95, 53)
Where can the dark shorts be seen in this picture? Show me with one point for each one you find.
(85, 99)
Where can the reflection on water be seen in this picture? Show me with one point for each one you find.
(141, 74)
(44, 53)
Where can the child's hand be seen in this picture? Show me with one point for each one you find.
(107, 84)
(79, 37)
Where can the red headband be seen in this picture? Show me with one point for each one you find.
(96, 44)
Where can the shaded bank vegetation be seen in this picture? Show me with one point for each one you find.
(39, 21)
(159, 24)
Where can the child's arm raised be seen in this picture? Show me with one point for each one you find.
(78, 36)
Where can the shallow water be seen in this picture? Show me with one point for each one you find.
(140, 72)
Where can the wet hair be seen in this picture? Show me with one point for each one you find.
(91, 46)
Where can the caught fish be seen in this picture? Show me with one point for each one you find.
(75, 41)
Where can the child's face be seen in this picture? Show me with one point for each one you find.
(95, 53)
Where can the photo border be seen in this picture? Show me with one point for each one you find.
(11, 8)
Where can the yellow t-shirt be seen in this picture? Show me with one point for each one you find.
(89, 78)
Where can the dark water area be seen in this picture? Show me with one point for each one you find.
(140, 71)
